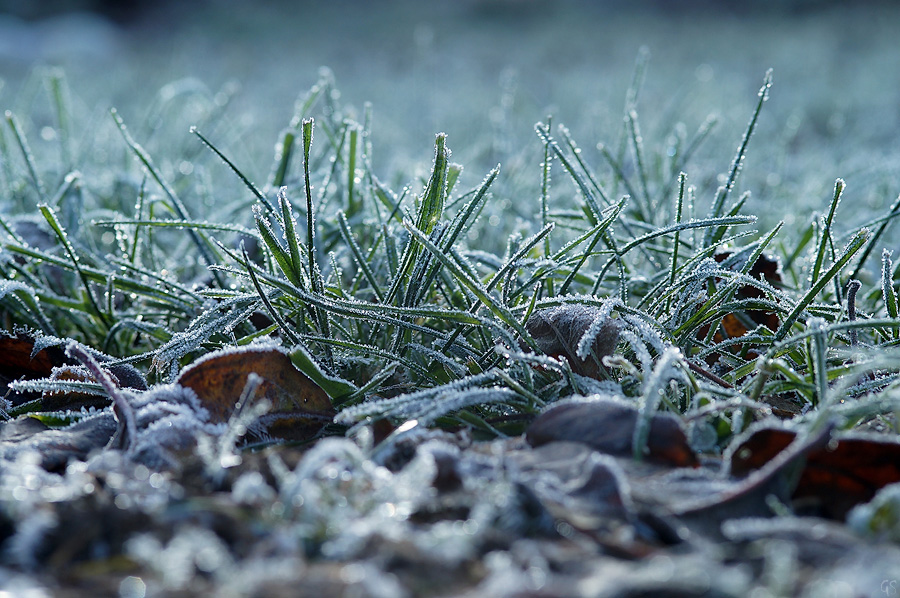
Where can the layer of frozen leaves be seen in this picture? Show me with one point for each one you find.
(564, 510)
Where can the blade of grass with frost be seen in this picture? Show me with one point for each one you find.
(353, 205)
(858, 240)
(430, 211)
(25, 150)
(291, 239)
(315, 274)
(673, 264)
(358, 257)
(706, 223)
(546, 167)
(893, 212)
(667, 368)
(273, 313)
(889, 297)
(58, 90)
(819, 363)
(50, 217)
(735, 208)
(725, 190)
(247, 183)
(199, 240)
(637, 146)
(473, 285)
(281, 257)
(826, 239)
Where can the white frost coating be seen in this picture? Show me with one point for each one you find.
(640, 350)
(648, 333)
(596, 327)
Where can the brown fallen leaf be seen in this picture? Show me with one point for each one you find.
(558, 331)
(18, 361)
(753, 496)
(299, 410)
(26, 356)
(846, 472)
(607, 426)
(56, 447)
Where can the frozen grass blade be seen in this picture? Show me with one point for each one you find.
(16, 128)
(358, 257)
(431, 209)
(50, 216)
(858, 240)
(247, 182)
(826, 239)
(738, 162)
(177, 204)
(58, 90)
(888, 295)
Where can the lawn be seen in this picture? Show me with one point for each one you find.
(491, 298)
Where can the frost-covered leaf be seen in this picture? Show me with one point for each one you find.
(300, 408)
(608, 425)
(583, 334)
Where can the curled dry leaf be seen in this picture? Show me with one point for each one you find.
(559, 330)
(846, 472)
(608, 426)
(299, 410)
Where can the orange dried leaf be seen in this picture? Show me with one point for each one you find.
(300, 408)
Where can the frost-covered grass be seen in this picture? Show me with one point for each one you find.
(411, 301)
(417, 286)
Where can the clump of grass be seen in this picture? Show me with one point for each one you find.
(411, 303)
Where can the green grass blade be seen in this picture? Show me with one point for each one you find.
(826, 237)
(27, 155)
(858, 240)
(738, 162)
(199, 240)
(473, 285)
(247, 182)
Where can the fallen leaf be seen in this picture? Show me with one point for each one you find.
(752, 496)
(299, 410)
(19, 361)
(56, 447)
(559, 330)
(846, 472)
(25, 356)
(608, 426)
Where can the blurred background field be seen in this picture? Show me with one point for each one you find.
(484, 71)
